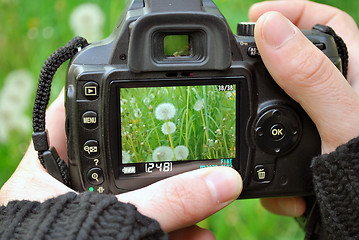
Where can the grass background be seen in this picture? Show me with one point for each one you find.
(142, 127)
(244, 219)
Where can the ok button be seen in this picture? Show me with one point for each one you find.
(277, 132)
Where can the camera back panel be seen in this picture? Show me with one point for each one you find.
(193, 95)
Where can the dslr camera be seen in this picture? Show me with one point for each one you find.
(173, 90)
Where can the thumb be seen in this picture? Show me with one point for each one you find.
(310, 78)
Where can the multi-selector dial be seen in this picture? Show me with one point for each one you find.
(277, 130)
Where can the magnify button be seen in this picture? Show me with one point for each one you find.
(95, 176)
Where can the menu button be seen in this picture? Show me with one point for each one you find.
(89, 120)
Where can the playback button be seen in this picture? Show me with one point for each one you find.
(90, 90)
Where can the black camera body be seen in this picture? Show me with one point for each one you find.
(173, 90)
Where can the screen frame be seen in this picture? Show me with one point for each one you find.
(131, 182)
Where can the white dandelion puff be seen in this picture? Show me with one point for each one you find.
(163, 153)
(133, 100)
(168, 128)
(33, 33)
(199, 105)
(48, 32)
(123, 101)
(87, 20)
(126, 158)
(181, 152)
(14, 101)
(137, 113)
(165, 111)
(17, 91)
(146, 100)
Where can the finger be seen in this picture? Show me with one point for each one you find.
(185, 199)
(192, 233)
(310, 78)
(306, 14)
(55, 124)
(291, 206)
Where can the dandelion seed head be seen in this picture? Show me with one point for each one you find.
(14, 101)
(123, 101)
(146, 100)
(181, 152)
(87, 20)
(210, 142)
(126, 157)
(17, 91)
(165, 111)
(163, 153)
(199, 105)
(168, 128)
(137, 113)
(133, 100)
(48, 32)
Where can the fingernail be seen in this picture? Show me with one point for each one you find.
(277, 30)
(225, 184)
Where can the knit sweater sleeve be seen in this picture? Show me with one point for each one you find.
(76, 216)
(336, 183)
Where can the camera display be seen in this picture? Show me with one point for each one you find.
(173, 90)
(177, 123)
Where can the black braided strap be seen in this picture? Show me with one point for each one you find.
(55, 166)
(341, 46)
(84, 216)
(336, 183)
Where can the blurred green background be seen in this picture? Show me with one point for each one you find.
(31, 30)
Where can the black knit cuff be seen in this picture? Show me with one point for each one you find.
(76, 216)
(336, 183)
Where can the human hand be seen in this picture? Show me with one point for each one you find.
(177, 203)
(307, 75)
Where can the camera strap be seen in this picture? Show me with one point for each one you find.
(48, 156)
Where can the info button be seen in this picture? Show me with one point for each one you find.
(277, 132)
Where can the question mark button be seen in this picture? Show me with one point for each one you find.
(95, 176)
